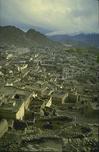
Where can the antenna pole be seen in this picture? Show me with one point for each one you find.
(98, 13)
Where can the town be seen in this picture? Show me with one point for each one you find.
(49, 99)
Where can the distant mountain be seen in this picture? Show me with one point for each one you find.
(41, 29)
(87, 39)
(10, 35)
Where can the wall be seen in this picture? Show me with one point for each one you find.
(20, 113)
(3, 127)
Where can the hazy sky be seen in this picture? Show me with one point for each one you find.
(60, 16)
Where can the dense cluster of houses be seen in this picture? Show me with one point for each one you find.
(45, 83)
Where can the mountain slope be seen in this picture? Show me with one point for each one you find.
(11, 35)
(37, 37)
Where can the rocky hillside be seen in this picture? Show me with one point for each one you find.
(11, 35)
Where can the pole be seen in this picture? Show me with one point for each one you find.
(98, 12)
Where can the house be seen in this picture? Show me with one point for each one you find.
(92, 109)
(59, 97)
(72, 98)
(14, 103)
(10, 111)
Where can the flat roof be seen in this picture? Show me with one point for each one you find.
(10, 108)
